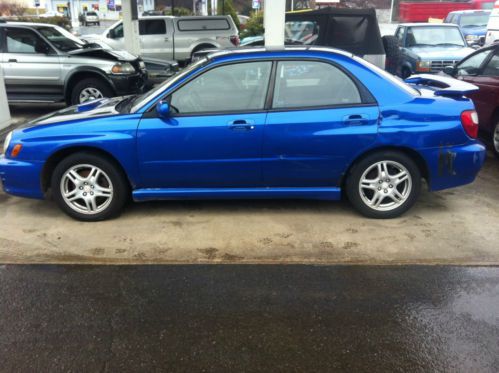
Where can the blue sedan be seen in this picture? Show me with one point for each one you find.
(291, 123)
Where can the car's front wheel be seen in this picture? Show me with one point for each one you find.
(89, 187)
(384, 185)
(90, 89)
(495, 140)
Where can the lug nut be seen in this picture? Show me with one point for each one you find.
(92, 187)
(391, 186)
(91, 193)
(386, 190)
(81, 188)
(379, 188)
(84, 194)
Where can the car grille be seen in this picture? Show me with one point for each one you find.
(440, 65)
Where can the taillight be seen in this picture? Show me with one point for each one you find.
(469, 120)
(234, 39)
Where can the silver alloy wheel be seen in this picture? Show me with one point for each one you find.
(89, 94)
(495, 138)
(385, 185)
(86, 189)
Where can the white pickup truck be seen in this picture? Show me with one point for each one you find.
(174, 38)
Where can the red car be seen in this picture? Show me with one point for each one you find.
(481, 68)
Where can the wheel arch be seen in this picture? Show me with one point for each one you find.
(414, 155)
(84, 73)
(59, 155)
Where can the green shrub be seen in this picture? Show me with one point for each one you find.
(254, 26)
(59, 21)
(178, 12)
(226, 7)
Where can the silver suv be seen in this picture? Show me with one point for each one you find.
(175, 38)
(89, 18)
(46, 63)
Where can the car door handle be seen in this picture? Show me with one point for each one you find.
(12, 60)
(355, 119)
(241, 124)
(166, 38)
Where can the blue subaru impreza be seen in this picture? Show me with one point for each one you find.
(291, 123)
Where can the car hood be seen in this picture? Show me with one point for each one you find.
(442, 53)
(89, 110)
(109, 54)
(474, 30)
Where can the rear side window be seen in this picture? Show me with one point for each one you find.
(312, 84)
(24, 41)
(301, 32)
(152, 27)
(204, 24)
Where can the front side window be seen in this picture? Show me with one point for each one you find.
(471, 66)
(492, 68)
(117, 31)
(25, 41)
(238, 87)
(152, 27)
(312, 84)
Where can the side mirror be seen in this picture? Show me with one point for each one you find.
(450, 70)
(163, 109)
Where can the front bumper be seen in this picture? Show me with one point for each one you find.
(21, 178)
(452, 166)
(129, 84)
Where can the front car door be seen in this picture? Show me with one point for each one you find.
(319, 120)
(31, 67)
(482, 69)
(213, 137)
(156, 40)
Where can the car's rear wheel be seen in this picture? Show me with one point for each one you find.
(89, 187)
(384, 185)
(90, 89)
(495, 140)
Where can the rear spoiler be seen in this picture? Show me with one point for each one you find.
(442, 85)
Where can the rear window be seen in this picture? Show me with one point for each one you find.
(91, 14)
(207, 24)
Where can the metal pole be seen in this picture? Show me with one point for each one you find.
(391, 11)
(173, 7)
(273, 21)
(293, 5)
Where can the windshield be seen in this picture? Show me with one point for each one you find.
(474, 20)
(140, 100)
(434, 36)
(60, 38)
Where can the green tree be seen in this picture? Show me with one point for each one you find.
(226, 7)
(254, 26)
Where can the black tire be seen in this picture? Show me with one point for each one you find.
(119, 185)
(96, 83)
(495, 140)
(405, 72)
(365, 164)
(393, 54)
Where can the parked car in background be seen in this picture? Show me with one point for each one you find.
(430, 47)
(473, 24)
(46, 63)
(175, 38)
(482, 69)
(89, 18)
(422, 11)
(51, 13)
(300, 122)
(493, 25)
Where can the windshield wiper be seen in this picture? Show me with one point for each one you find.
(451, 44)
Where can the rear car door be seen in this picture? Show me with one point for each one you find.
(156, 39)
(31, 66)
(320, 118)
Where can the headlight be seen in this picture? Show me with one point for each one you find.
(123, 68)
(423, 66)
(7, 142)
(472, 38)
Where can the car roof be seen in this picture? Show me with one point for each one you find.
(470, 11)
(281, 50)
(28, 24)
(428, 24)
